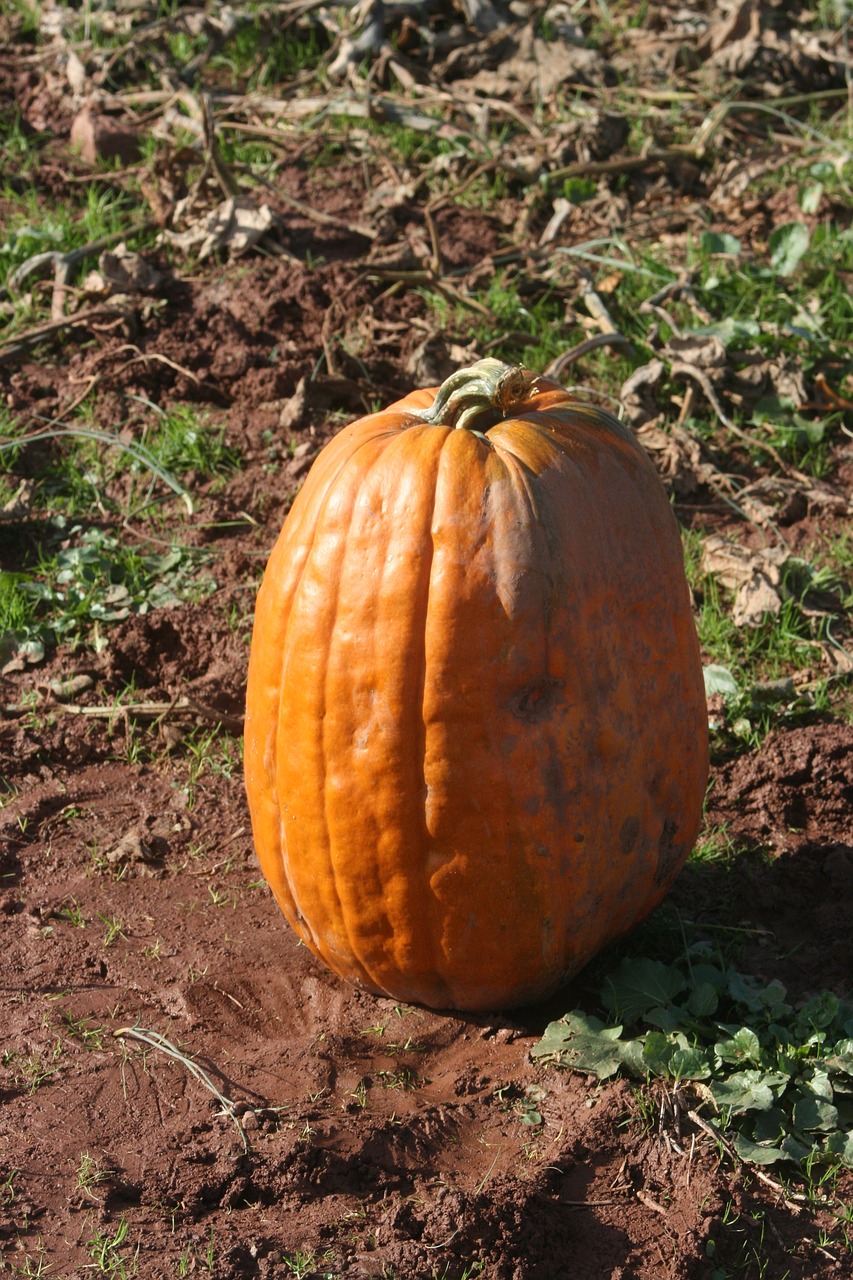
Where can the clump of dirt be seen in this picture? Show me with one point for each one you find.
(797, 788)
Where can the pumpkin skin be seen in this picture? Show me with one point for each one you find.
(476, 739)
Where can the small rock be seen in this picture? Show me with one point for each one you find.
(100, 137)
(65, 690)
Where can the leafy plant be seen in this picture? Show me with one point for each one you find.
(94, 578)
(779, 1077)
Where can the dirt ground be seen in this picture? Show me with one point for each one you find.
(366, 1139)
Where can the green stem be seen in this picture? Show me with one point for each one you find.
(480, 395)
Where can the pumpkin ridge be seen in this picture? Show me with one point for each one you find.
(361, 482)
(394, 930)
(330, 484)
(318, 882)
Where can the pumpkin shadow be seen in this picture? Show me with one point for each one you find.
(785, 918)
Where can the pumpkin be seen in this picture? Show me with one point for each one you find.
(476, 735)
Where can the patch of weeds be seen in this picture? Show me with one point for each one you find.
(32, 1265)
(308, 1263)
(260, 55)
(773, 648)
(715, 847)
(210, 752)
(403, 1078)
(642, 1113)
(753, 666)
(777, 1079)
(104, 1247)
(90, 1174)
(73, 912)
(742, 1245)
(523, 330)
(19, 626)
(415, 147)
(30, 1071)
(89, 1033)
(222, 897)
(184, 440)
(114, 928)
(468, 1273)
(524, 1104)
(19, 150)
(61, 226)
(93, 578)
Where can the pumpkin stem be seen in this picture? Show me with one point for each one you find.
(483, 393)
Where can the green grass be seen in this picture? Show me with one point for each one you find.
(86, 578)
(106, 1247)
(185, 440)
(86, 463)
(61, 225)
(210, 752)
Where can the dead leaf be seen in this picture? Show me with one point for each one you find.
(128, 272)
(20, 504)
(236, 225)
(134, 849)
(830, 399)
(754, 576)
(293, 409)
(705, 351)
(638, 394)
(754, 600)
(677, 457)
(302, 460)
(75, 72)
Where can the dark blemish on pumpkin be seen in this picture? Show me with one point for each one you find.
(669, 853)
(536, 701)
(628, 834)
(579, 839)
(556, 791)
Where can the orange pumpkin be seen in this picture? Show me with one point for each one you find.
(476, 737)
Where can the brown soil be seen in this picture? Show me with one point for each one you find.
(375, 1136)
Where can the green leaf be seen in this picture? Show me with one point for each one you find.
(813, 1113)
(841, 1144)
(657, 1052)
(770, 1127)
(756, 996)
(689, 1064)
(719, 242)
(640, 985)
(743, 1091)
(632, 1059)
(810, 197)
(787, 244)
(841, 1057)
(794, 1147)
(701, 973)
(817, 1014)
(744, 1046)
(582, 1043)
(819, 1084)
(703, 1000)
(719, 680)
(757, 1152)
(728, 331)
